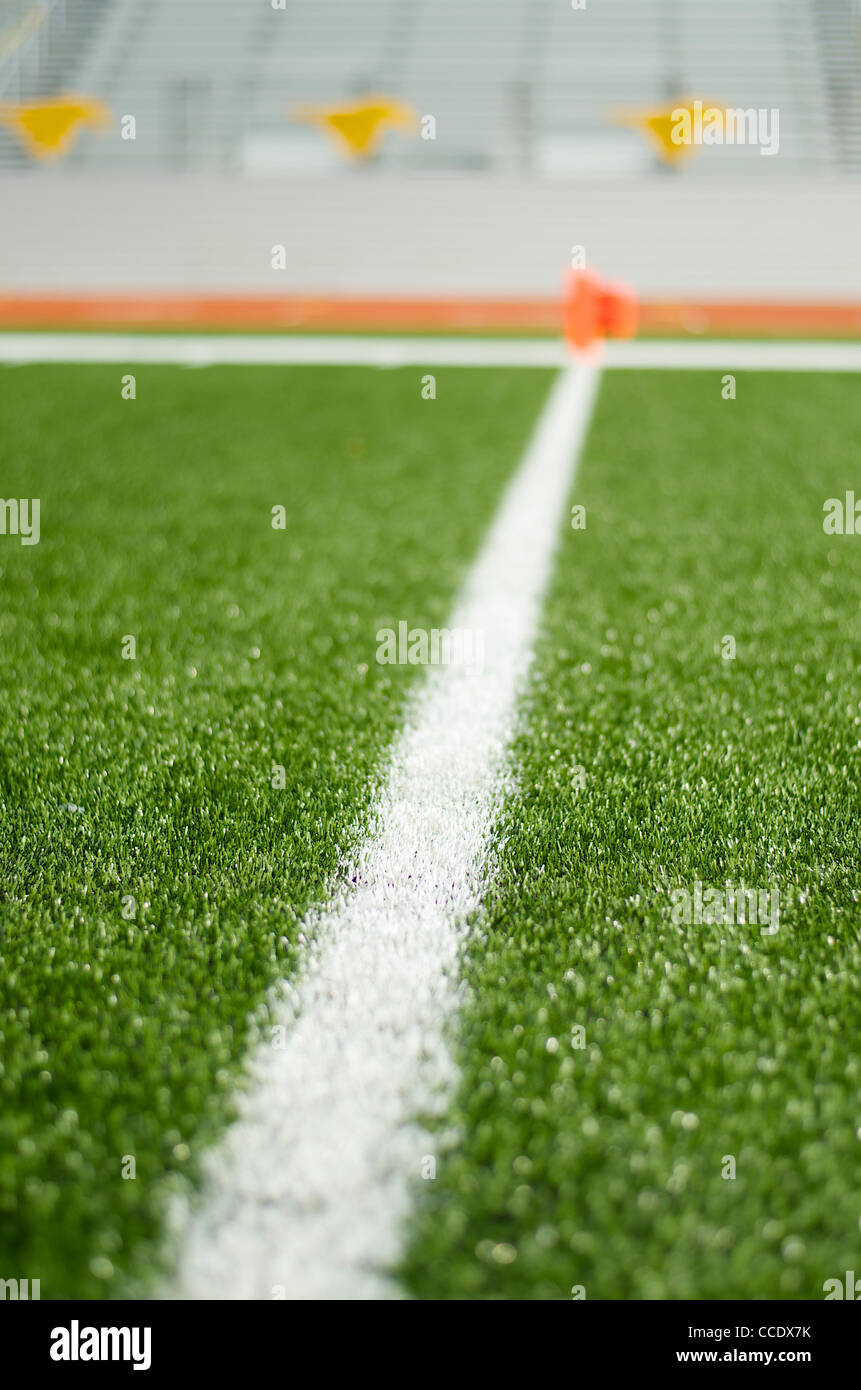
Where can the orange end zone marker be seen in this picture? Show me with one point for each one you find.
(593, 309)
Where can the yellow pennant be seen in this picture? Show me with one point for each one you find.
(47, 129)
(664, 128)
(358, 128)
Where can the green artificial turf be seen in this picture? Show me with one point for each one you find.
(561, 1166)
(122, 1026)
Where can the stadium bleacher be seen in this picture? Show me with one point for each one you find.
(513, 86)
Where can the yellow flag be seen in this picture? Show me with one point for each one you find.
(358, 128)
(664, 128)
(47, 129)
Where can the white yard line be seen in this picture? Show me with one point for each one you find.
(311, 350)
(800, 356)
(308, 1193)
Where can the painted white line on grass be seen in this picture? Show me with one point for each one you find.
(310, 1189)
(334, 351)
(203, 350)
(736, 356)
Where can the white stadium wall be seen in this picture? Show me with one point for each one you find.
(445, 235)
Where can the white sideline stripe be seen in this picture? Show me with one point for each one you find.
(740, 355)
(205, 350)
(310, 1188)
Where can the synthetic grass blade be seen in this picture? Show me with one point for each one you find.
(166, 821)
(658, 1101)
(309, 1193)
